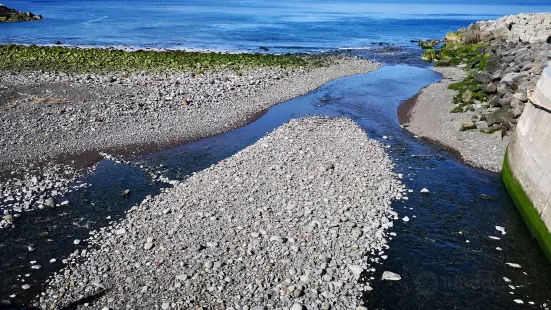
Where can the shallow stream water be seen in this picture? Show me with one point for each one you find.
(444, 253)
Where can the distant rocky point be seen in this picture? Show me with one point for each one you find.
(12, 15)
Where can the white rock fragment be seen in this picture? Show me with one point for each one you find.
(501, 229)
(391, 276)
(424, 191)
(277, 239)
(514, 265)
(297, 306)
(519, 301)
(405, 219)
(356, 270)
(182, 277)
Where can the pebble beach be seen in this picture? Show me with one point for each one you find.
(297, 219)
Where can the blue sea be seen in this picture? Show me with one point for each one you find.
(246, 25)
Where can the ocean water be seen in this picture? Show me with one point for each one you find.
(246, 25)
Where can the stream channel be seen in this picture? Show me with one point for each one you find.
(444, 253)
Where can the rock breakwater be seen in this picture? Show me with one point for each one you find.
(526, 28)
(296, 220)
(501, 67)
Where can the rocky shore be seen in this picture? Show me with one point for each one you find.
(430, 118)
(51, 115)
(296, 220)
(501, 60)
(12, 15)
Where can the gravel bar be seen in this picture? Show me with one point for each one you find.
(46, 116)
(430, 118)
(296, 221)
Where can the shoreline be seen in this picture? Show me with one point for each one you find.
(105, 112)
(247, 234)
(428, 116)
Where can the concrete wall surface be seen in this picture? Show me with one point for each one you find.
(528, 161)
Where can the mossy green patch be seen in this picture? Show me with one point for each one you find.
(65, 59)
(491, 130)
(457, 109)
(526, 207)
(426, 45)
(465, 84)
(468, 85)
(455, 53)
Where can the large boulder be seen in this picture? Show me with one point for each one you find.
(501, 116)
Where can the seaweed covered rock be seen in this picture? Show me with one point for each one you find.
(12, 15)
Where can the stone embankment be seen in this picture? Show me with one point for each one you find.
(296, 220)
(12, 15)
(513, 67)
(493, 94)
(48, 115)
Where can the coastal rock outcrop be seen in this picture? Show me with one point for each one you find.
(11, 15)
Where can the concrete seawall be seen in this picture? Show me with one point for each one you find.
(527, 165)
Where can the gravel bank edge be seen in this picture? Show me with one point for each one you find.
(299, 219)
(430, 117)
(144, 113)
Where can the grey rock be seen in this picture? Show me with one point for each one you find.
(491, 88)
(482, 77)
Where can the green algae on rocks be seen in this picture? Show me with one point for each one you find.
(97, 60)
(475, 59)
(456, 53)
